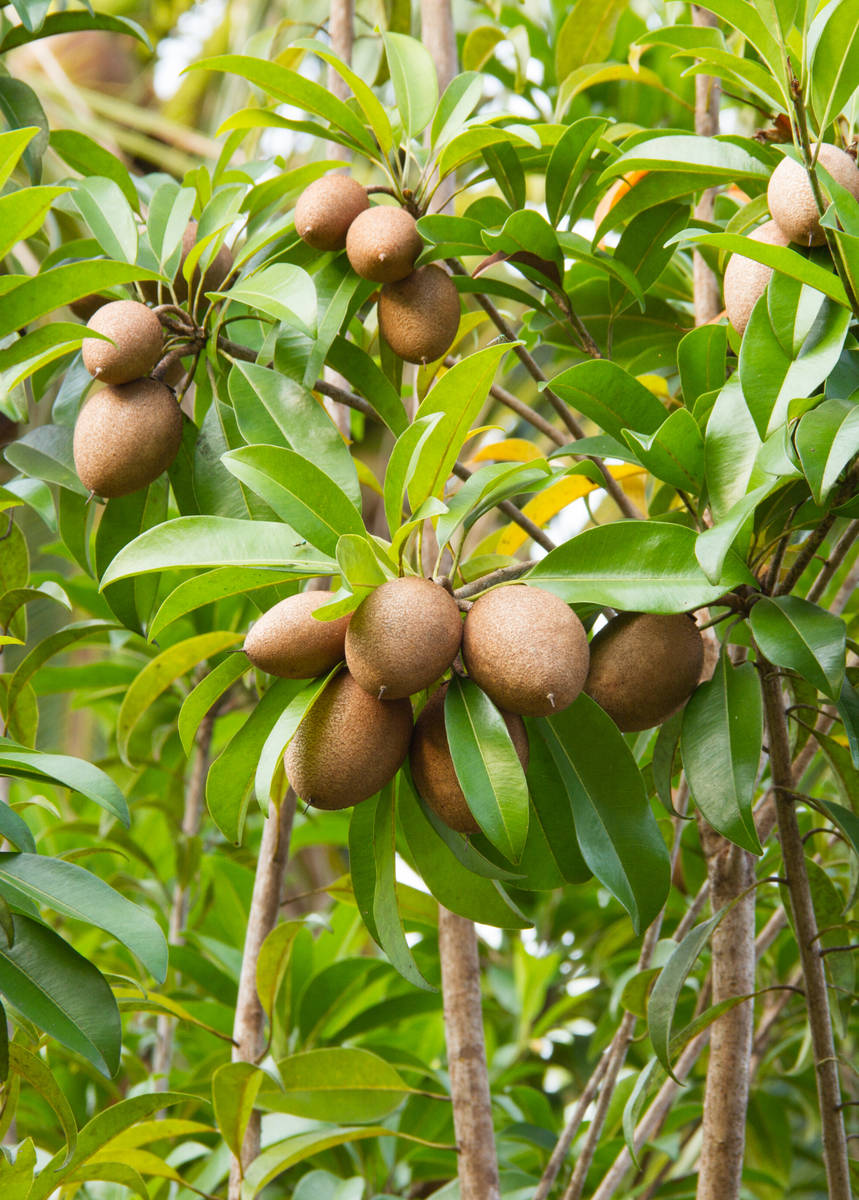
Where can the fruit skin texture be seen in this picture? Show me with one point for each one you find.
(791, 200)
(383, 243)
(326, 209)
(419, 315)
(432, 766)
(125, 436)
(288, 642)
(746, 280)
(526, 649)
(403, 637)
(644, 667)
(348, 746)
(136, 341)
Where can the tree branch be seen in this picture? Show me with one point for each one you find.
(502, 575)
(515, 514)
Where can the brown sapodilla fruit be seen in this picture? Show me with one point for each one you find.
(383, 243)
(135, 346)
(288, 642)
(403, 637)
(644, 667)
(432, 766)
(125, 436)
(326, 208)
(791, 200)
(419, 315)
(526, 648)
(348, 746)
(746, 280)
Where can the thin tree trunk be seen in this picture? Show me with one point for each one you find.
(341, 32)
(708, 91)
(466, 1057)
(249, 1021)
(439, 37)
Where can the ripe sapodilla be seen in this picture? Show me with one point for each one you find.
(135, 346)
(432, 766)
(746, 280)
(644, 667)
(288, 642)
(383, 243)
(326, 208)
(526, 648)
(791, 200)
(419, 315)
(125, 436)
(348, 746)
(403, 637)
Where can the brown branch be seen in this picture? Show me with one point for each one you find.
(502, 575)
(342, 396)
(805, 922)
(836, 557)
(466, 1057)
(520, 408)
(515, 514)
(807, 552)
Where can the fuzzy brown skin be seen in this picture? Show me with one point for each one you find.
(348, 746)
(644, 667)
(791, 200)
(135, 346)
(125, 436)
(526, 649)
(383, 243)
(326, 209)
(746, 280)
(403, 637)
(419, 316)
(432, 765)
(288, 642)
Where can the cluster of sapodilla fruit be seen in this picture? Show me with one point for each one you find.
(523, 646)
(418, 306)
(794, 218)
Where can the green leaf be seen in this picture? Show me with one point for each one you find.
(402, 464)
(234, 1090)
(273, 962)
(207, 692)
(487, 766)
(69, 889)
(721, 740)
(587, 34)
(845, 820)
(340, 1085)
(701, 361)
(360, 369)
(282, 291)
(209, 587)
(62, 993)
(716, 158)
(74, 773)
(460, 98)
(636, 566)
(22, 213)
(714, 544)
(374, 112)
(282, 733)
(106, 210)
(212, 541)
(674, 453)
(826, 439)
(12, 145)
(616, 830)
(568, 162)
(39, 1076)
(731, 446)
(43, 293)
(415, 81)
(15, 829)
(69, 22)
(608, 395)
(551, 822)
(46, 453)
(298, 491)
(87, 157)
(800, 636)
(832, 72)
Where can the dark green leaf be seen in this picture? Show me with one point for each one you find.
(800, 636)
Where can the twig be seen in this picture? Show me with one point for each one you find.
(515, 514)
(502, 575)
(809, 548)
(344, 397)
(520, 408)
(836, 558)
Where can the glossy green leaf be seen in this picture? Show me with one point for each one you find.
(674, 452)
(13, 143)
(555, 822)
(87, 157)
(52, 289)
(721, 740)
(731, 446)
(714, 544)
(377, 117)
(38, 1075)
(210, 586)
(402, 464)
(16, 830)
(234, 1089)
(701, 361)
(460, 98)
(46, 453)
(74, 773)
(103, 205)
(586, 35)
(69, 22)
(206, 694)
(273, 962)
(341, 1085)
(361, 370)
(615, 827)
(714, 157)
(832, 73)
(413, 75)
(784, 260)
(826, 439)
(800, 636)
(568, 162)
(282, 291)
(282, 733)
(611, 397)
(22, 213)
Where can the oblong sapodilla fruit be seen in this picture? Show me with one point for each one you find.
(746, 280)
(288, 642)
(326, 208)
(135, 346)
(791, 200)
(125, 436)
(644, 667)
(526, 648)
(348, 746)
(403, 637)
(432, 766)
(383, 243)
(419, 315)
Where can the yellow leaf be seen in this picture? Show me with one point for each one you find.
(655, 384)
(366, 476)
(473, 433)
(510, 450)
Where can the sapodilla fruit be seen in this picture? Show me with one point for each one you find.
(326, 208)
(125, 436)
(432, 766)
(526, 648)
(746, 280)
(791, 200)
(383, 243)
(288, 642)
(419, 315)
(348, 746)
(403, 637)
(644, 667)
(136, 342)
